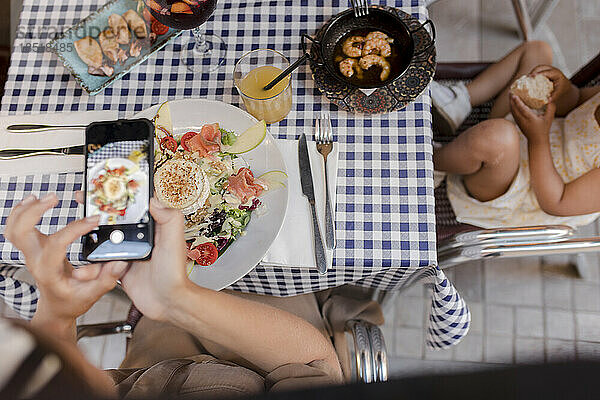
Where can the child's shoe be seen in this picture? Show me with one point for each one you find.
(451, 106)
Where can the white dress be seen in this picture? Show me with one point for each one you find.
(575, 147)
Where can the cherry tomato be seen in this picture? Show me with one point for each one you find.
(208, 254)
(159, 28)
(185, 138)
(169, 143)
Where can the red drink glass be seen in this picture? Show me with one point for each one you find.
(206, 52)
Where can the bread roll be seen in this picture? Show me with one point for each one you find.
(535, 91)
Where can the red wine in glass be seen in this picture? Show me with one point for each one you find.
(181, 14)
(207, 52)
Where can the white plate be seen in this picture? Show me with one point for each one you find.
(247, 251)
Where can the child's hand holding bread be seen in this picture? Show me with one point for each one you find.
(534, 124)
(533, 90)
(544, 84)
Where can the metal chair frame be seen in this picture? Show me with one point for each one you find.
(369, 352)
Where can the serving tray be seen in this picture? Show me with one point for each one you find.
(92, 25)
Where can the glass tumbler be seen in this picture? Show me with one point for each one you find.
(252, 72)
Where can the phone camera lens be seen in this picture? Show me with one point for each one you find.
(117, 236)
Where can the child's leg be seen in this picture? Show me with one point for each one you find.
(495, 81)
(487, 155)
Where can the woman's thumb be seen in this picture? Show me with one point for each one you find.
(168, 220)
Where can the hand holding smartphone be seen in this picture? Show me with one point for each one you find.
(118, 184)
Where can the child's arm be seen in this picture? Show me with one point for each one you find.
(587, 93)
(581, 196)
(565, 95)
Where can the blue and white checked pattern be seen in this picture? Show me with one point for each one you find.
(18, 295)
(385, 202)
(16, 188)
(117, 150)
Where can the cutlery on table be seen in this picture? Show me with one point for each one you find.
(324, 137)
(309, 191)
(360, 7)
(11, 154)
(28, 128)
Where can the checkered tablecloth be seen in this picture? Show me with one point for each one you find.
(385, 200)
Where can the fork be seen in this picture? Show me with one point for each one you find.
(324, 138)
(360, 7)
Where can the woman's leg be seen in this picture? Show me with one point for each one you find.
(495, 81)
(487, 155)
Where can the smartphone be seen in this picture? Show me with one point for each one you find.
(119, 160)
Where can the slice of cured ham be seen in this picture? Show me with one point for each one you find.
(208, 141)
(243, 186)
(193, 254)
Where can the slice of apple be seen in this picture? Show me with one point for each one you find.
(248, 140)
(162, 121)
(274, 179)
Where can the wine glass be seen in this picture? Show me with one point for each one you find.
(207, 51)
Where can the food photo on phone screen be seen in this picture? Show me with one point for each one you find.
(117, 182)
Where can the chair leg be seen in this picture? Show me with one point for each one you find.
(362, 351)
(108, 328)
(523, 18)
(369, 351)
(378, 353)
(587, 267)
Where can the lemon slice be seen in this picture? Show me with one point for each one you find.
(162, 121)
(248, 140)
(274, 179)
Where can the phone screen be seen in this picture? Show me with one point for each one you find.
(118, 187)
(118, 181)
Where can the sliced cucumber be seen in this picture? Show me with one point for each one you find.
(162, 121)
(274, 179)
(248, 140)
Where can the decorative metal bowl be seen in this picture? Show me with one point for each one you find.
(409, 80)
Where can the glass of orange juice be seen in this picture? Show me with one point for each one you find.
(252, 72)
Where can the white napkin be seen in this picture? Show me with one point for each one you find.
(294, 246)
(47, 139)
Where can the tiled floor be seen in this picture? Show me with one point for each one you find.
(523, 310)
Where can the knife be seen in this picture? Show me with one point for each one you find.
(10, 154)
(27, 128)
(309, 191)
